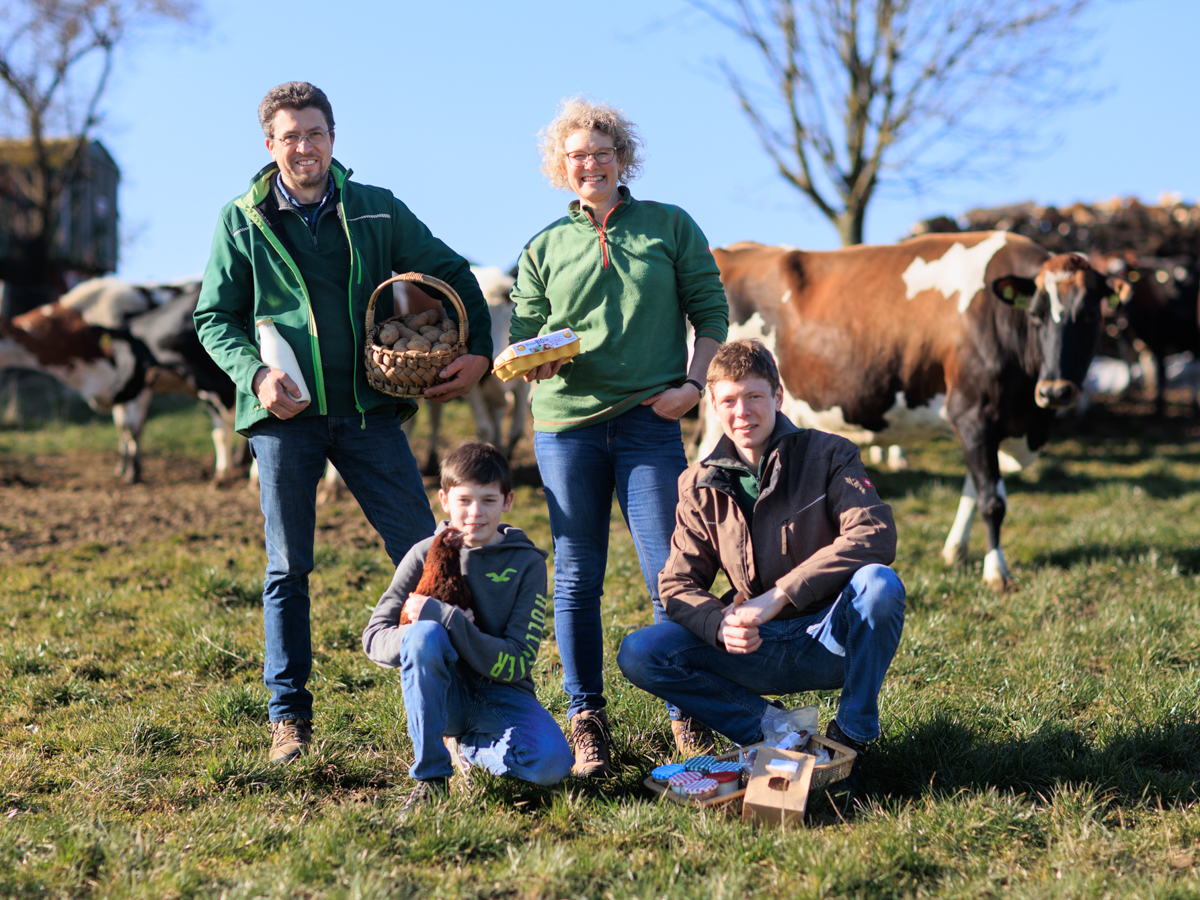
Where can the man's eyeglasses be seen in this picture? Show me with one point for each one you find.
(603, 157)
(316, 137)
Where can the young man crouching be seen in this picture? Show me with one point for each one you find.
(791, 517)
(467, 675)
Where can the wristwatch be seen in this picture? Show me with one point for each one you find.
(696, 384)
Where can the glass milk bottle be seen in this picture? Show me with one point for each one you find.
(277, 353)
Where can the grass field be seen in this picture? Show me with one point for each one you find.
(1044, 743)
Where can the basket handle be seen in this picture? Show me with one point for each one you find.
(420, 278)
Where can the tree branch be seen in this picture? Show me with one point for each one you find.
(875, 91)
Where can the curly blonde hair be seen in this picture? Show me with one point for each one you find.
(577, 114)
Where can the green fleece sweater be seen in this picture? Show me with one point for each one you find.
(252, 273)
(627, 286)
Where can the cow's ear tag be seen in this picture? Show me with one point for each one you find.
(1122, 290)
(106, 344)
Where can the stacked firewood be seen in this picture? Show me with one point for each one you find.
(1169, 229)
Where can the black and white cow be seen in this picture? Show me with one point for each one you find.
(115, 355)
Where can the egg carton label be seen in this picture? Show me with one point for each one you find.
(551, 341)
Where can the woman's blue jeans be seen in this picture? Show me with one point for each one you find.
(640, 455)
(848, 645)
(380, 472)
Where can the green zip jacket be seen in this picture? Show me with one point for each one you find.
(251, 275)
(627, 286)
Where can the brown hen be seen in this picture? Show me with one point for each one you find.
(443, 577)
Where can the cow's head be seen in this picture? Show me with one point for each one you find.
(1064, 304)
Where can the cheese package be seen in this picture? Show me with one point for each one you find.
(517, 359)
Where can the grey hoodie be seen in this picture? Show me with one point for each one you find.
(508, 583)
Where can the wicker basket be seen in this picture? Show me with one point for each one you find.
(408, 373)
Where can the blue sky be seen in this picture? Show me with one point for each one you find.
(441, 103)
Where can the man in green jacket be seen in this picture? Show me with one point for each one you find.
(305, 247)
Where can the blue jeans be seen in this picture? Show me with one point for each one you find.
(500, 728)
(380, 472)
(640, 455)
(848, 645)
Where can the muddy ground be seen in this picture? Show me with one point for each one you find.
(68, 499)
(62, 500)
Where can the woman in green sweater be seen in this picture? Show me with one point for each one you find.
(627, 276)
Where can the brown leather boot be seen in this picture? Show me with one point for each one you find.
(692, 738)
(289, 739)
(593, 744)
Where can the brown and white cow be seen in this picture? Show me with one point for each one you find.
(886, 344)
(117, 369)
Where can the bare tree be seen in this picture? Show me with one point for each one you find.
(56, 58)
(858, 93)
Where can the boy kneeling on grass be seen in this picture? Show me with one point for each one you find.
(792, 518)
(466, 675)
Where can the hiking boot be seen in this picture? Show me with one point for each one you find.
(593, 744)
(692, 738)
(423, 792)
(290, 738)
(461, 766)
(850, 787)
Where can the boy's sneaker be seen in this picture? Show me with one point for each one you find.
(593, 744)
(423, 792)
(290, 738)
(692, 738)
(461, 766)
(850, 787)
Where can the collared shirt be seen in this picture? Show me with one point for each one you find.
(310, 212)
(746, 481)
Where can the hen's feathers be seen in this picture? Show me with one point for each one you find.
(443, 577)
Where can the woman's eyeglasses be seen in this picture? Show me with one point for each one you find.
(603, 157)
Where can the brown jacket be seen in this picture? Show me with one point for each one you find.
(817, 521)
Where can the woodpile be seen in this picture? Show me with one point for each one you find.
(1169, 229)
